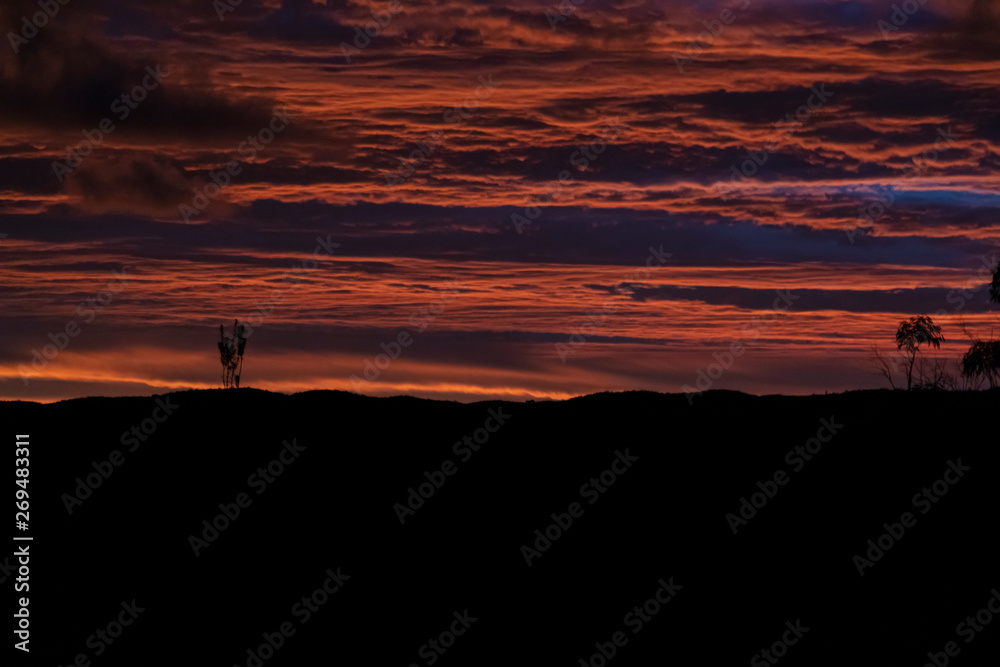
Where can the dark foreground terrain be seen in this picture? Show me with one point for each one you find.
(635, 556)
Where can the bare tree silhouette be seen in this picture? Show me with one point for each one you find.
(884, 363)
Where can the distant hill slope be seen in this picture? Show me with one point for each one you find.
(642, 484)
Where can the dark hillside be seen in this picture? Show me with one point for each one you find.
(680, 469)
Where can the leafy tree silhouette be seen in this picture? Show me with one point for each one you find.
(231, 347)
(913, 333)
(983, 359)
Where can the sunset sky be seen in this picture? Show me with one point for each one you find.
(546, 199)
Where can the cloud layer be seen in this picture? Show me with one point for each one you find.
(532, 154)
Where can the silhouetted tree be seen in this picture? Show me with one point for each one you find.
(934, 375)
(231, 347)
(982, 361)
(913, 333)
(885, 364)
